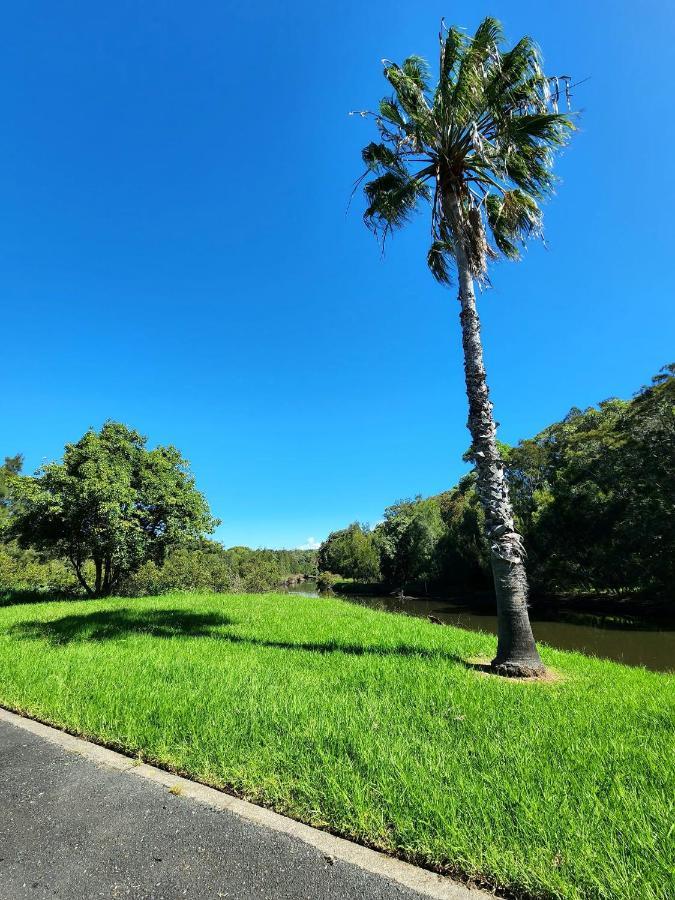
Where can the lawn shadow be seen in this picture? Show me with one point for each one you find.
(107, 625)
(335, 646)
(21, 597)
(110, 624)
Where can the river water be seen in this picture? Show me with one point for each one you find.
(634, 644)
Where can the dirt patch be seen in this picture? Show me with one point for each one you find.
(481, 665)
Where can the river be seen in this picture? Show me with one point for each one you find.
(631, 643)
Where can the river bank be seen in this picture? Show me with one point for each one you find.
(630, 634)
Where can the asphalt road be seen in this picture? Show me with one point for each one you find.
(72, 829)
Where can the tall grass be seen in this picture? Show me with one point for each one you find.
(372, 725)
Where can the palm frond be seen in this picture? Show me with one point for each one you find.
(471, 81)
(417, 70)
(512, 219)
(391, 113)
(439, 259)
(487, 137)
(552, 128)
(392, 199)
(451, 52)
(452, 44)
(522, 62)
(409, 94)
(379, 158)
(489, 34)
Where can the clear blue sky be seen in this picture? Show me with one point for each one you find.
(175, 251)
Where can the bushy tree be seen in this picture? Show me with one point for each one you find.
(409, 539)
(352, 553)
(111, 501)
(463, 550)
(594, 495)
(11, 466)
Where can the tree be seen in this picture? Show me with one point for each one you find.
(646, 475)
(409, 538)
(111, 503)
(352, 553)
(479, 149)
(463, 550)
(11, 466)
(603, 477)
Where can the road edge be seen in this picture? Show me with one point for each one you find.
(423, 881)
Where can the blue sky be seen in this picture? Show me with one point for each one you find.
(175, 250)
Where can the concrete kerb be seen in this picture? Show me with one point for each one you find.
(410, 876)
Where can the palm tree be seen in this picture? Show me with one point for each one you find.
(479, 149)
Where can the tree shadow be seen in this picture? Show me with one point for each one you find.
(335, 646)
(107, 625)
(20, 597)
(116, 623)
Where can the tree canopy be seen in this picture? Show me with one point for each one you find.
(11, 466)
(593, 494)
(111, 501)
(485, 135)
(352, 553)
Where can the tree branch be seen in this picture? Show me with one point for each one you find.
(80, 576)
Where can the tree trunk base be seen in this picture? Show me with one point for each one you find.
(531, 669)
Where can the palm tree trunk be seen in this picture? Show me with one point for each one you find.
(516, 650)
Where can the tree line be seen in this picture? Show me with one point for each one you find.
(593, 497)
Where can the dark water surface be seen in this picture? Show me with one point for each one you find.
(634, 644)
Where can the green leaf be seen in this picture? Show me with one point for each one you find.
(438, 259)
(392, 199)
(379, 158)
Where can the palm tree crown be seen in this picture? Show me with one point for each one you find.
(483, 139)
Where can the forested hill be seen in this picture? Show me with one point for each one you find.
(594, 496)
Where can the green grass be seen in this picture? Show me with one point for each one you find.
(371, 725)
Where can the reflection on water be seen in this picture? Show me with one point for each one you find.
(631, 644)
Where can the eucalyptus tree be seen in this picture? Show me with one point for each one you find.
(478, 148)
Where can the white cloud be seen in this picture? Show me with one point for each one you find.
(310, 544)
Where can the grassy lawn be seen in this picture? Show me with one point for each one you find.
(371, 725)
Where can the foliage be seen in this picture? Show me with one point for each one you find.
(463, 550)
(28, 572)
(12, 466)
(604, 478)
(372, 726)
(213, 568)
(593, 496)
(409, 539)
(207, 566)
(352, 553)
(112, 502)
(478, 147)
(326, 581)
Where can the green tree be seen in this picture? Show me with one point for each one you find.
(605, 479)
(409, 539)
(646, 437)
(352, 553)
(479, 149)
(463, 551)
(112, 502)
(11, 466)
